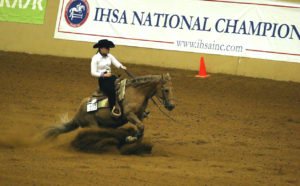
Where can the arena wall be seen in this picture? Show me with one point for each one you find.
(39, 39)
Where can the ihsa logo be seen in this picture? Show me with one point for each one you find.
(77, 12)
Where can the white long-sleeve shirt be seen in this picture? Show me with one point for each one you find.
(100, 64)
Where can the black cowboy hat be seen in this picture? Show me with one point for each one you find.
(104, 43)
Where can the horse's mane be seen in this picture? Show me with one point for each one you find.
(141, 80)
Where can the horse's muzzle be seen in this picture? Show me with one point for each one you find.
(170, 107)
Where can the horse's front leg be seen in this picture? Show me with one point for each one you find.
(136, 121)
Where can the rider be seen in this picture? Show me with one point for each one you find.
(100, 67)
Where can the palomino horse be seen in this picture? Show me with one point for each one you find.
(138, 93)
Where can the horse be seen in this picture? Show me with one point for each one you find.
(78, 9)
(138, 92)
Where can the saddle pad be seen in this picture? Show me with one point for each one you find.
(122, 89)
(94, 105)
(103, 103)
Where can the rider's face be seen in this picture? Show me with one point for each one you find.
(104, 50)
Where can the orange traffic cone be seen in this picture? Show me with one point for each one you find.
(202, 70)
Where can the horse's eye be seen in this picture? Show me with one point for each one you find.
(166, 91)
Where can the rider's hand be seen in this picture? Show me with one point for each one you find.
(107, 75)
(123, 67)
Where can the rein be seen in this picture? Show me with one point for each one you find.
(129, 74)
(176, 121)
(167, 115)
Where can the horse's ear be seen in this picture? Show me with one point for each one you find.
(166, 77)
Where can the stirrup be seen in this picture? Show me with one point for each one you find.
(116, 114)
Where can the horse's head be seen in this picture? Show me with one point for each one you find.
(80, 7)
(166, 92)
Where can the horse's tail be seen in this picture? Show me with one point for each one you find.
(55, 131)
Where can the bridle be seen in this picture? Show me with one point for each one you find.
(164, 100)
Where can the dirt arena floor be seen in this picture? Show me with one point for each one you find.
(234, 130)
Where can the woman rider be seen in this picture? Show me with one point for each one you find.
(100, 67)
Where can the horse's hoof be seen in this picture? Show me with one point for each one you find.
(146, 113)
(130, 139)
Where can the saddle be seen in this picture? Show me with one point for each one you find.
(99, 100)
